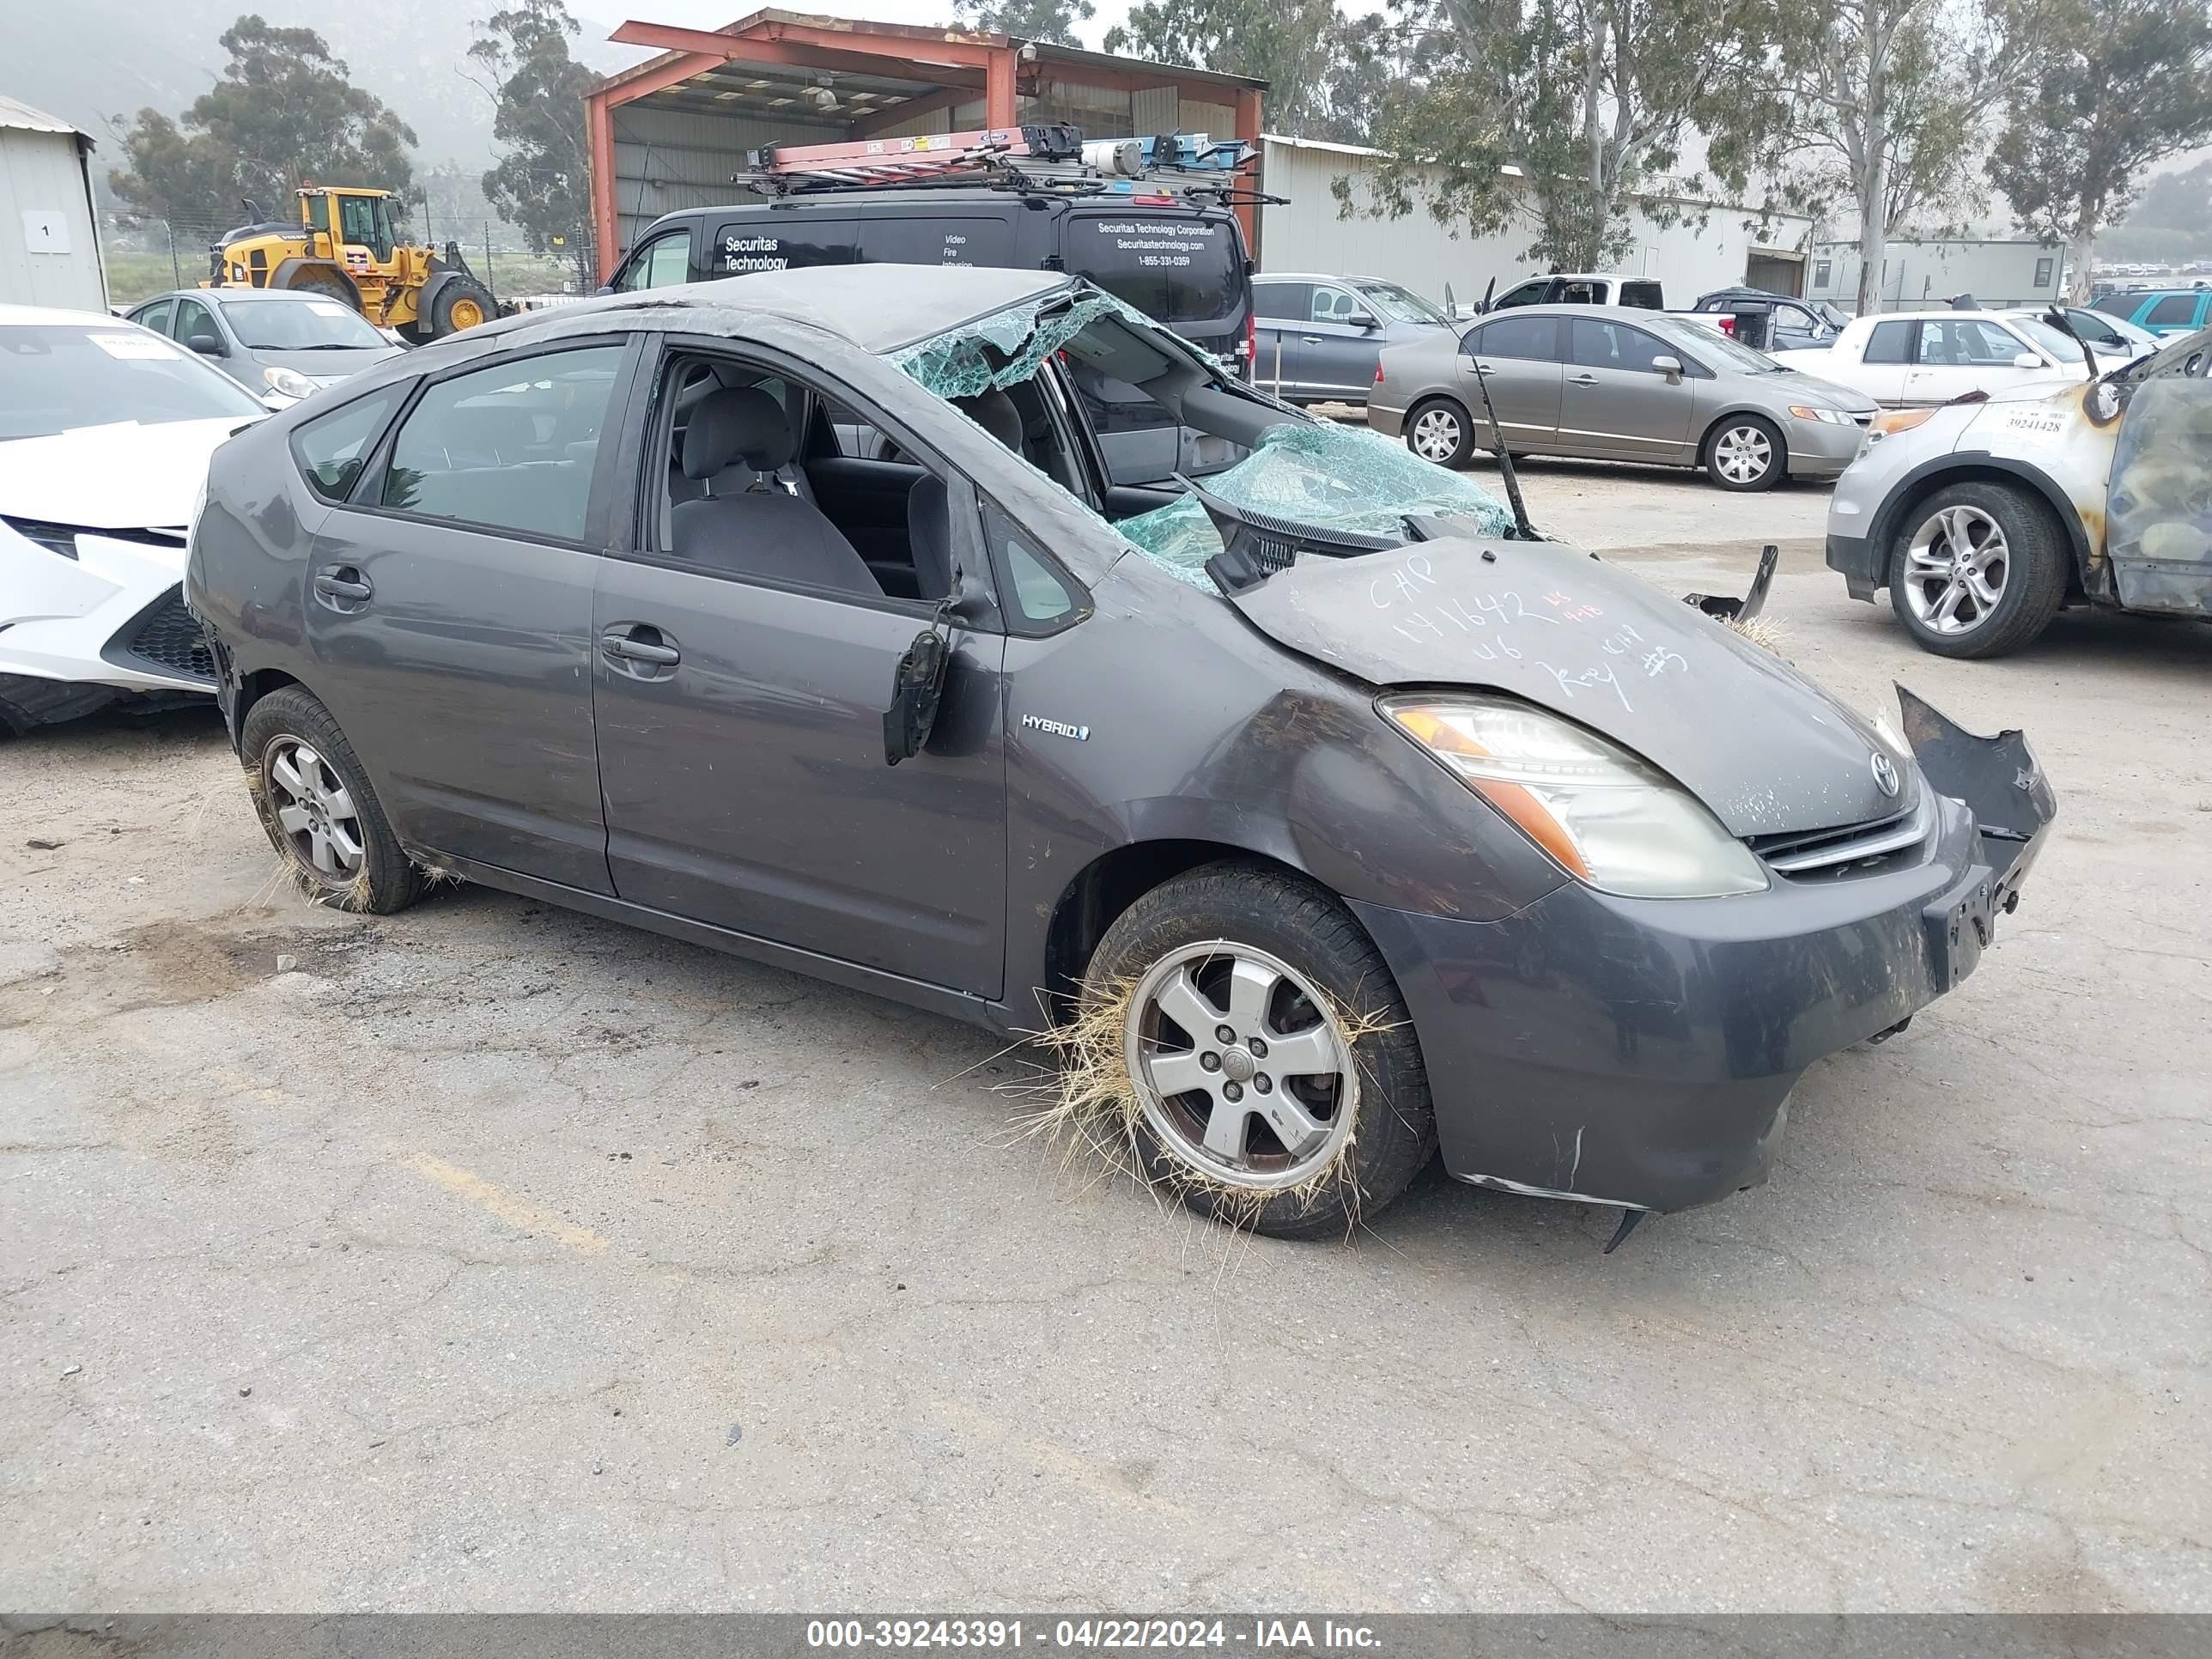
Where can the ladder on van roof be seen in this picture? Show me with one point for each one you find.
(1049, 157)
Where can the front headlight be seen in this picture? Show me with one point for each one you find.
(1827, 417)
(1606, 816)
(1899, 420)
(288, 382)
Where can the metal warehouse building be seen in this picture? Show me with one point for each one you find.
(669, 133)
(49, 246)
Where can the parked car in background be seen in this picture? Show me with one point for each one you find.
(2114, 341)
(1618, 384)
(1584, 288)
(1907, 357)
(1334, 881)
(1792, 324)
(1318, 336)
(2163, 311)
(269, 340)
(1983, 520)
(105, 435)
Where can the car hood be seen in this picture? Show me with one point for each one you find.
(324, 368)
(1766, 749)
(122, 477)
(1804, 387)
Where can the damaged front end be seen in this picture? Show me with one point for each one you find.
(2000, 781)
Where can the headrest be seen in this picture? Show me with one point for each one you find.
(994, 412)
(738, 422)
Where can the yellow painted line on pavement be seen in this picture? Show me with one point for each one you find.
(514, 1210)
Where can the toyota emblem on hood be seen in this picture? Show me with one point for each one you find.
(1885, 775)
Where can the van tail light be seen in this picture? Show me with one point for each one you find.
(1251, 344)
(1378, 371)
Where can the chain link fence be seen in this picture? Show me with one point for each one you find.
(146, 256)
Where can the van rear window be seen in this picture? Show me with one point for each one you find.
(1174, 267)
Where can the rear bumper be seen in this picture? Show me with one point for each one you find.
(1386, 420)
(1856, 559)
(1640, 1052)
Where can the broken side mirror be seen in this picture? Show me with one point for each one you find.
(918, 681)
(917, 687)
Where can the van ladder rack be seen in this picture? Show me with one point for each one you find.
(1053, 158)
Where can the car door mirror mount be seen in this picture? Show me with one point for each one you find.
(208, 345)
(1671, 367)
(1364, 319)
(2029, 360)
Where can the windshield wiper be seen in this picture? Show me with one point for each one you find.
(329, 345)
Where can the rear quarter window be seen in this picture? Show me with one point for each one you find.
(1890, 343)
(1645, 296)
(2175, 308)
(332, 449)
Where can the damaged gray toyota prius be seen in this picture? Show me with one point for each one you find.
(1322, 816)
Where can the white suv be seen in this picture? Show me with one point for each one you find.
(1984, 516)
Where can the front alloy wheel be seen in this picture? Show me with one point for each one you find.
(1239, 1071)
(1955, 569)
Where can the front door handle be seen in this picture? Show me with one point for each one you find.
(1310, 339)
(639, 642)
(344, 584)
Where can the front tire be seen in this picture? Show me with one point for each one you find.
(1979, 570)
(1313, 1110)
(320, 813)
(1745, 453)
(1440, 430)
(463, 303)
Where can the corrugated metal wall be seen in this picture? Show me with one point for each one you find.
(666, 159)
(42, 176)
(1423, 255)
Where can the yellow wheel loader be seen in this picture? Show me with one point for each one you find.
(345, 245)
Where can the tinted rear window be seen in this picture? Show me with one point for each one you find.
(1174, 268)
(2174, 308)
(968, 240)
(1890, 343)
(1645, 295)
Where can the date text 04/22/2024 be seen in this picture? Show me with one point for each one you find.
(1282, 1635)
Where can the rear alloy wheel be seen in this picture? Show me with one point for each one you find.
(1979, 573)
(1440, 431)
(320, 813)
(1278, 1082)
(1745, 453)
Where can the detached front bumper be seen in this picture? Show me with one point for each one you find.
(1640, 1052)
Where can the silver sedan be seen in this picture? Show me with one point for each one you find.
(1618, 384)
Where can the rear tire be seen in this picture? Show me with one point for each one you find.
(1372, 1124)
(1440, 429)
(321, 815)
(330, 285)
(1979, 570)
(1745, 452)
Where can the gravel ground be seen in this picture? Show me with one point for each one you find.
(493, 1257)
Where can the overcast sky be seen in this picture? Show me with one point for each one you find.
(714, 14)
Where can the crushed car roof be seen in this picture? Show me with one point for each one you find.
(878, 308)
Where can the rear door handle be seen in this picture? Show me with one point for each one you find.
(1583, 379)
(1310, 339)
(343, 582)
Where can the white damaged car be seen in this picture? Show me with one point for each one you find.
(106, 430)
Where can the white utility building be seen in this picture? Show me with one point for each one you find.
(1732, 244)
(48, 238)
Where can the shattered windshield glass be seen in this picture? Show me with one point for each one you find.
(1005, 348)
(1318, 473)
(1313, 472)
